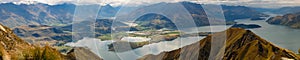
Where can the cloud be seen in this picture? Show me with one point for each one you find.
(254, 3)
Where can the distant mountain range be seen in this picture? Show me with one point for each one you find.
(198, 13)
(240, 45)
(13, 15)
(283, 10)
(61, 16)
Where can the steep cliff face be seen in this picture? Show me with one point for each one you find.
(291, 20)
(240, 45)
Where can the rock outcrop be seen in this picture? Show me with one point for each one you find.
(240, 45)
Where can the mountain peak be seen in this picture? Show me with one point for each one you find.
(240, 44)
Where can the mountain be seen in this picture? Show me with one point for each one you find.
(287, 10)
(240, 12)
(197, 12)
(13, 15)
(291, 20)
(155, 21)
(240, 45)
(262, 9)
(107, 11)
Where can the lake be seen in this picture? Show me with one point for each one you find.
(281, 36)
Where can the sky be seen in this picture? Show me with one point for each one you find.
(253, 3)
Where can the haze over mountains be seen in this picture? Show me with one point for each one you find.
(197, 12)
(282, 10)
(15, 15)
